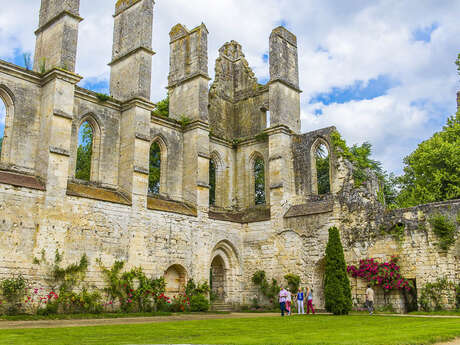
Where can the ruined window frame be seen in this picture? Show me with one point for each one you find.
(163, 189)
(262, 200)
(95, 149)
(7, 97)
(314, 172)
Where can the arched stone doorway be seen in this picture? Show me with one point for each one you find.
(218, 278)
(225, 276)
(175, 278)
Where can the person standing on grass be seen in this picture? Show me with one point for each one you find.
(310, 301)
(370, 299)
(288, 301)
(282, 299)
(300, 309)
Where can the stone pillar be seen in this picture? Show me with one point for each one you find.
(188, 75)
(57, 35)
(188, 98)
(131, 66)
(280, 170)
(284, 80)
(134, 150)
(53, 151)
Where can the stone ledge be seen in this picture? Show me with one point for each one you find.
(310, 208)
(250, 215)
(20, 180)
(171, 206)
(96, 193)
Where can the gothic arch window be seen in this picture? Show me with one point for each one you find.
(88, 150)
(212, 182)
(321, 171)
(6, 123)
(157, 167)
(259, 181)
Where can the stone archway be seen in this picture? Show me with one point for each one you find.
(218, 278)
(225, 273)
(175, 278)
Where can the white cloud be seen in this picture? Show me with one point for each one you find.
(339, 42)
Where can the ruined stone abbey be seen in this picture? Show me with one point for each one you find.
(233, 122)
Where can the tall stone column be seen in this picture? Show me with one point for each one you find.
(130, 79)
(284, 80)
(131, 66)
(188, 98)
(57, 35)
(284, 98)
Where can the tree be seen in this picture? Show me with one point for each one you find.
(458, 63)
(432, 171)
(259, 181)
(337, 291)
(154, 168)
(162, 108)
(322, 170)
(84, 152)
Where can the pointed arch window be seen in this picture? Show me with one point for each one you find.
(155, 168)
(259, 181)
(321, 169)
(2, 122)
(84, 151)
(212, 182)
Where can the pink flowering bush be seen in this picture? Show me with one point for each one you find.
(386, 274)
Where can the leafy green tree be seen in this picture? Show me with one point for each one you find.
(337, 291)
(1, 142)
(162, 108)
(458, 63)
(154, 168)
(432, 171)
(84, 152)
(259, 181)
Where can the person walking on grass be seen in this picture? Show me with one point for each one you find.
(310, 301)
(370, 299)
(300, 297)
(288, 302)
(282, 300)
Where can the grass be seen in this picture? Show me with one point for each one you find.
(439, 312)
(79, 316)
(318, 329)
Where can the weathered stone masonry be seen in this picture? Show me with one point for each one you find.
(177, 233)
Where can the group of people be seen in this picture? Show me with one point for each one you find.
(286, 299)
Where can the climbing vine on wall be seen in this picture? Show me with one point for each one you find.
(444, 229)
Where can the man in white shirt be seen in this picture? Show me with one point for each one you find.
(370, 299)
(282, 299)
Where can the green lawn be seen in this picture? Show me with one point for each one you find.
(319, 329)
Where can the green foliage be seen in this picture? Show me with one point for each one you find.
(444, 229)
(154, 168)
(359, 156)
(212, 182)
(102, 97)
(162, 108)
(396, 231)
(269, 290)
(199, 302)
(184, 121)
(66, 279)
(457, 296)
(259, 181)
(262, 136)
(293, 281)
(458, 213)
(432, 171)
(84, 152)
(337, 291)
(192, 289)
(133, 290)
(431, 294)
(458, 63)
(13, 290)
(42, 66)
(1, 142)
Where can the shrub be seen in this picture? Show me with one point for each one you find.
(13, 290)
(431, 294)
(269, 290)
(199, 303)
(444, 229)
(102, 97)
(337, 291)
(192, 289)
(180, 303)
(293, 281)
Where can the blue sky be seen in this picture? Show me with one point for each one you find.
(380, 71)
